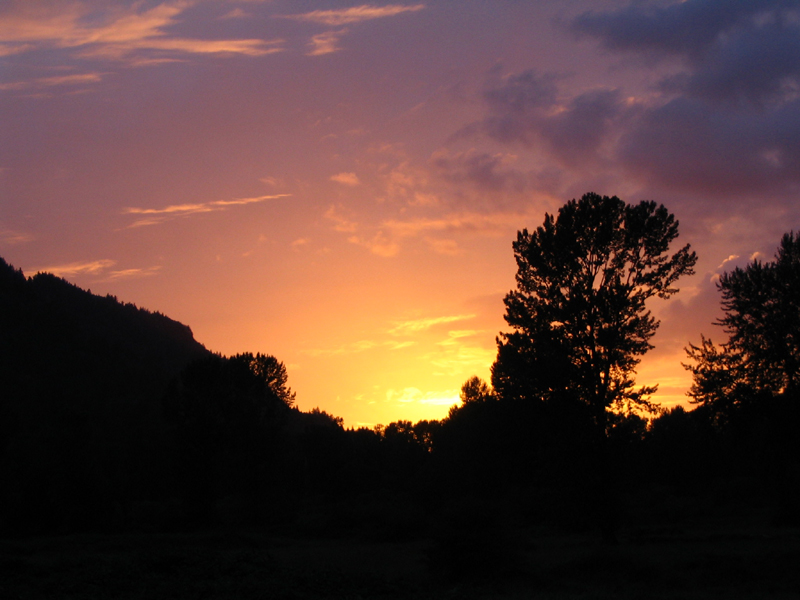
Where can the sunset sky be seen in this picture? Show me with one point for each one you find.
(338, 184)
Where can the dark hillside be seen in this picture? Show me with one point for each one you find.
(81, 377)
(59, 339)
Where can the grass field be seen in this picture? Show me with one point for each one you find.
(716, 562)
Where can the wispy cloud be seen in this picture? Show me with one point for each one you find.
(94, 267)
(133, 273)
(355, 14)
(111, 33)
(360, 346)
(45, 82)
(413, 326)
(461, 359)
(454, 337)
(379, 244)
(11, 237)
(446, 247)
(350, 179)
(351, 348)
(299, 243)
(242, 47)
(388, 235)
(341, 223)
(154, 216)
(97, 268)
(325, 43)
(236, 13)
(412, 394)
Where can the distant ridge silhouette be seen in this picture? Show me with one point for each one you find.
(57, 335)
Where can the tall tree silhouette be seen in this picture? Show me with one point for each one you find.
(761, 303)
(578, 312)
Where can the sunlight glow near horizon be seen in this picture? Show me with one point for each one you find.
(339, 185)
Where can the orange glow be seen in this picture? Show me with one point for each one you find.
(340, 188)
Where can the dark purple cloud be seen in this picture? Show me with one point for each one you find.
(727, 124)
(755, 65)
(575, 134)
(525, 109)
(736, 50)
(487, 172)
(682, 28)
(689, 144)
(524, 93)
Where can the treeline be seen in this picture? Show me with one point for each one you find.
(114, 418)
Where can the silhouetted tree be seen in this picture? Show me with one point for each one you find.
(226, 416)
(761, 358)
(476, 389)
(578, 313)
(269, 370)
(762, 314)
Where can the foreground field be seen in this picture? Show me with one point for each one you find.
(752, 563)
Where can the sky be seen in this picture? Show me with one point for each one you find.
(339, 184)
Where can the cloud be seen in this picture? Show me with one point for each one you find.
(358, 347)
(723, 121)
(456, 358)
(379, 244)
(387, 237)
(236, 13)
(412, 394)
(691, 145)
(424, 199)
(353, 348)
(133, 273)
(730, 258)
(350, 179)
(154, 216)
(526, 109)
(94, 267)
(341, 223)
(742, 50)
(244, 47)
(413, 326)
(488, 172)
(325, 43)
(687, 28)
(354, 14)
(453, 337)
(446, 247)
(11, 49)
(11, 237)
(45, 82)
(523, 93)
(97, 268)
(112, 32)
(469, 221)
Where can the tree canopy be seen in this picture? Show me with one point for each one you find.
(761, 304)
(579, 316)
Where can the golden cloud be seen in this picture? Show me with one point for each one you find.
(113, 34)
(341, 223)
(159, 215)
(53, 81)
(346, 179)
(325, 43)
(10, 237)
(354, 14)
(416, 325)
(412, 394)
(93, 267)
(133, 273)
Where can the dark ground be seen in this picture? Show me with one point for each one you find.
(719, 561)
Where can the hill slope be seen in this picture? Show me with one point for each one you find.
(58, 339)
